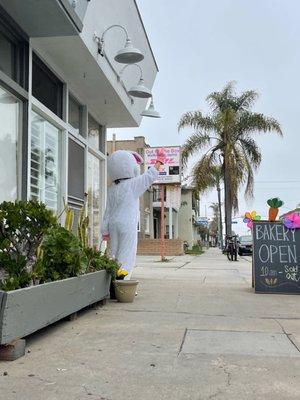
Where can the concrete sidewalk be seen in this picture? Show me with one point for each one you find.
(196, 331)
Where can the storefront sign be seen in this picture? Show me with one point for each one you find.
(276, 258)
(170, 172)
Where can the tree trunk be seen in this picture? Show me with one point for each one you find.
(227, 199)
(220, 217)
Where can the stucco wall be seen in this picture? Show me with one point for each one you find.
(185, 218)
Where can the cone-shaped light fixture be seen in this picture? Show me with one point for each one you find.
(129, 54)
(140, 90)
(150, 111)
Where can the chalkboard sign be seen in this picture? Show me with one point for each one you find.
(276, 258)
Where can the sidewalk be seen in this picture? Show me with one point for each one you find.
(196, 331)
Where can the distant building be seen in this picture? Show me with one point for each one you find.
(188, 215)
(181, 215)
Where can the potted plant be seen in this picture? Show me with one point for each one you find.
(125, 290)
(46, 272)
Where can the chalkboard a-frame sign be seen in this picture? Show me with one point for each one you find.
(276, 258)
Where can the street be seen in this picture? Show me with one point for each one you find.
(195, 331)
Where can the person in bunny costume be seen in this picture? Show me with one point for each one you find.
(120, 219)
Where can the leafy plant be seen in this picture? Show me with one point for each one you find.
(16, 274)
(196, 250)
(63, 256)
(82, 229)
(22, 228)
(69, 218)
(97, 262)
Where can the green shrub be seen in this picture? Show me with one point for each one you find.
(35, 249)
(98, 262)
(62, 256)
(196, 250)
(22, 228)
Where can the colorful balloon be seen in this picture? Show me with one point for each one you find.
(250, 217)
(292, 221)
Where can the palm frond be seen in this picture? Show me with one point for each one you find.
(251, 150)
(206, 173)
(249, 122)
(192, 145)
(247, 99)
(220, 101)
(195, 120)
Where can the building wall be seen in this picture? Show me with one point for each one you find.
(49, 146)
(99, 16)
(151, 247)
(186, 228)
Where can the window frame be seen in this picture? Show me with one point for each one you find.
(10, 30)
(81, 131)
(59, 160)
(36, 59)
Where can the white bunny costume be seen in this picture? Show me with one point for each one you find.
(120, 219)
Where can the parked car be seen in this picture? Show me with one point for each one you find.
(244, 244)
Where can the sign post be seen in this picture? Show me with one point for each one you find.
(162, 223)
(169, 174)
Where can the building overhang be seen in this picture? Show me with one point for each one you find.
(107, 100)
(44, 18)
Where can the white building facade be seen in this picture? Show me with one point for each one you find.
(58, 96)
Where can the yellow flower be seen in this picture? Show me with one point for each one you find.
(122, 273)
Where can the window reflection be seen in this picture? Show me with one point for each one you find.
(9, 127)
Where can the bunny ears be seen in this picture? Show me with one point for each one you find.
(137, 157)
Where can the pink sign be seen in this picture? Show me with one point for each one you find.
(170, 172)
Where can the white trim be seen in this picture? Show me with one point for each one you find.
(44, 112)
(97, 154)
(29, 120)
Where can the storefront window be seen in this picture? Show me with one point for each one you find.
(7, 56)
(13, 53)
(46, 87)
(44, 177)
(75, 170)
(75, 115)
(9, 127)
(95, 135)
(94, 199)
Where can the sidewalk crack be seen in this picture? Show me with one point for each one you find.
(182, 342)
(288, 335)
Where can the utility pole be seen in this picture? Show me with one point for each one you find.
(162, 223)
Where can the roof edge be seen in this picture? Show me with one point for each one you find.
(143, 25)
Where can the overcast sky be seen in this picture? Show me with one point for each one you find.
(200, 46)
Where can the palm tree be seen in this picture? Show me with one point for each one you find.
(212, 180)
(227, 134)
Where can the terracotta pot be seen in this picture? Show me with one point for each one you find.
(125, 290)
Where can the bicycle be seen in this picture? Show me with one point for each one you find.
(231, 248)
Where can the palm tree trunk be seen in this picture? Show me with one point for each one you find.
(227, 199)
(220, 217)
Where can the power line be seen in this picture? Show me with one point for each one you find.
(290, 181)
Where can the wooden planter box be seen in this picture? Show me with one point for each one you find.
(25, 311)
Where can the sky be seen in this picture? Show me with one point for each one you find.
(199, 47)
